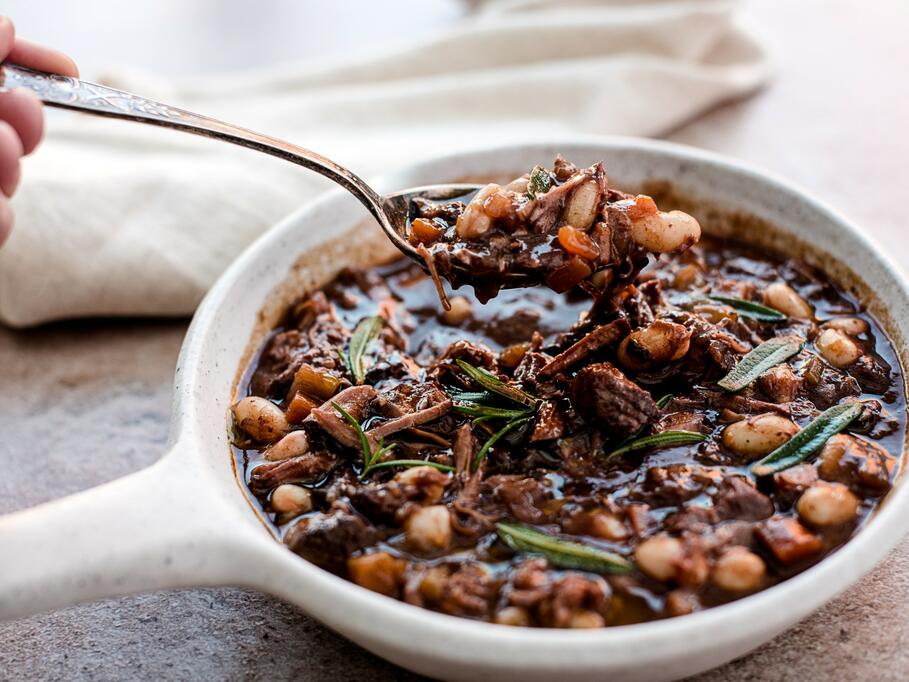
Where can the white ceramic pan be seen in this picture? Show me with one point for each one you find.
(186, 522)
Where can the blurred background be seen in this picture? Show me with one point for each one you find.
(182, 37)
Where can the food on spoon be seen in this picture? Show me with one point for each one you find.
(679, 438)
(558, 226)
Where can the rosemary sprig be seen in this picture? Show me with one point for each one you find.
(769, 354)
(664, 401)
(486, 412)
(662, 439)
(496, 385)
(475, 397)
(810, 439)
(561, 553)
(494, 438)
(540, 182)
(364, 334)
(372, 459)
(755, 311)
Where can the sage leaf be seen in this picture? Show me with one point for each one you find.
(496, 385)
(663, 439)
(364, 334)
(769, 354)
(755, 311)
(810, 439)
(540, 182)
(561, 553)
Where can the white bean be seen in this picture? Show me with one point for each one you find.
(460, 310)
(738, 570)
(581, 210)
(586, 620)
(784, 298)
(293, 444)
(837, 348)
(473, 221)
(657, 343)
(291, 499)
(848, 325)
(429, 528)
(608, 526)
(513, 615)
(827, 504)
(431, 481)
(665, 232)
(261, 419)
(758, 435)
(658, 556)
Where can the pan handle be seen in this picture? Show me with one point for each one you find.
(161, 527)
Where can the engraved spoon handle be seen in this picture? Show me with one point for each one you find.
(72, 93)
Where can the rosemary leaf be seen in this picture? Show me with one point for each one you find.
(487, 412)
(755, 311)
(468, 396)
(769, 354)
(496, 385)
(659, 440)
(364, 334)
(364, 441)
(810, 439)
(494, 438)
(664, 401)
(540, 182)
(561, 553)
(413, 463)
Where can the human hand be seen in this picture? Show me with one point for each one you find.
(21, 113)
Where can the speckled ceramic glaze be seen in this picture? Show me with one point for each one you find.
(186, 522)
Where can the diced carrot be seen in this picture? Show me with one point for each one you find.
(578, 243)
(643, 206)
(424, 232)
(788, 540)
(299, 408)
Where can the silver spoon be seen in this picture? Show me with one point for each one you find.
(391, 210)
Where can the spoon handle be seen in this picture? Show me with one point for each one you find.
(72, 93)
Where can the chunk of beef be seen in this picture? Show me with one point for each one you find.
(872, 374)
(673, 484)
(830, 387)
(355, 401)
(603, 335)
(607, 399)
(858, 463)
(328, 539)
(521, 497)
(737, 498)
(306, 468)
(788, 540)
(549, 423)
(780, 384)
(792, 482)
(390, 502)
(470, 591)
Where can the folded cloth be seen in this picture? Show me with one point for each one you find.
(119, 219)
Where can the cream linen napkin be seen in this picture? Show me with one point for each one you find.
(119, 219)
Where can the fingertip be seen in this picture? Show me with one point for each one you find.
(32, 55)
(10, 153)
(7, 36)
(23, 110)
(7, 218)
